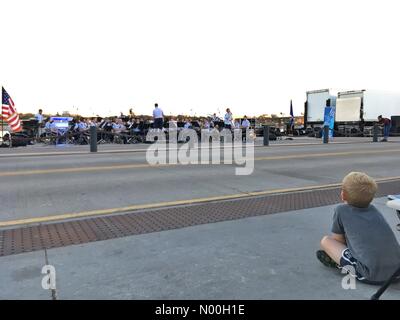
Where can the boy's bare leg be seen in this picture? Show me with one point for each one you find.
(333, 248)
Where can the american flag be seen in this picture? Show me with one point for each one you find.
(9, 113)
(291, 115)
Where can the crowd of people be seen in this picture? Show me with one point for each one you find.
(132, 129)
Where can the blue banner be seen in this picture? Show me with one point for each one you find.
(329, 120)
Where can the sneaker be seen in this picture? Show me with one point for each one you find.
(384, 140)
(326, 260)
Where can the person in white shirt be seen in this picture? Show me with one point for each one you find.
(40, 119)
(39, 116)
(91, 123)
(118, 128)
(228, 119)
(81, 126)
(245, 123)
(245, 126)
(158, 116)
(237, 124)
(188, 124)
(50, 126)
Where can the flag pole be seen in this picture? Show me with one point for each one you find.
(1, 115)
(2, 131)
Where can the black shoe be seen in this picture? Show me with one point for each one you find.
(326, 260)
(384, 140)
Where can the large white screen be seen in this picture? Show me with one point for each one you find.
(382, 103)
(316, 103)
(348, 109)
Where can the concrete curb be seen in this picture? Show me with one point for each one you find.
(68, 153)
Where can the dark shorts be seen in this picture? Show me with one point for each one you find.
(349, 263)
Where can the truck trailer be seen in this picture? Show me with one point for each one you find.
(366, 105)
(354, 110)
(315, 106)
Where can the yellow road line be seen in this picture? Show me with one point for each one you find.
(146, 165)
(328, 154)
(80, 169)
(83, 152)
(100, 212)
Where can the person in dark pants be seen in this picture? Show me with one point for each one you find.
(245, 125)
(228, 119)
(158, 116)
(40, 122)
(386, 123)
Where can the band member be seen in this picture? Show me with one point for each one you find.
(188, 124)
(206, 125)
(228, 119)
(158, 116)
(81, 125)
(118, 128)
(215, 118)
(40, 125)
(245, 123)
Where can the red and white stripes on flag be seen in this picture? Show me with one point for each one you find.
(9, 112)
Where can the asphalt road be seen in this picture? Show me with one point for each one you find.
(41, 186)
(265, 257)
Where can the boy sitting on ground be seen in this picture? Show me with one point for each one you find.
(362, 242)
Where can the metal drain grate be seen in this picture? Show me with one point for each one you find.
(60, 234)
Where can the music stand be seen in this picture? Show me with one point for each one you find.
(61, 125)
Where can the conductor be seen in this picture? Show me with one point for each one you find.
(158, 116)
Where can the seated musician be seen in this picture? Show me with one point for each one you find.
(129, 124)
(215, 118)
(106, 128)
(118, 129)
(103, 123)
(173, 124)
(135, 129)
(81, 127)
(206, 125)
(172, 127)
(211, 124)
(137, 126)
(50, 127)
(91, 122)
(188, 124)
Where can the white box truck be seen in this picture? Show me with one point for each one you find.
(366, 105)
(315, 105)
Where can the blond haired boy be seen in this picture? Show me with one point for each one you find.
(361, 242)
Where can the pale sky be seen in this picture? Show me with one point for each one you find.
(193, 57)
